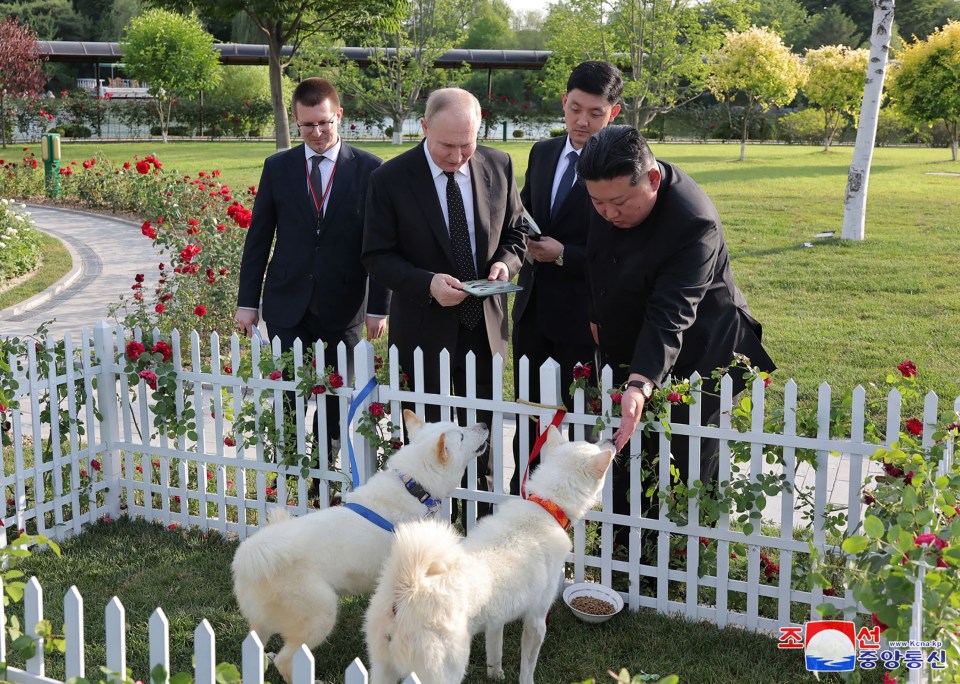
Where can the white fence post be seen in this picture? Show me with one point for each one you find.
(303, 666)
(159, 630)
(116, 633)
(205, 653)
(356, 673)
(73, 633)
(109, 424)
(252, 656)
(32, 614)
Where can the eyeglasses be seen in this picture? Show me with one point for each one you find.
(305, 128)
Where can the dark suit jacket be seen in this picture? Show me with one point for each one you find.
(663, 293)
(406, 242)
(304, 260)
(560, 292)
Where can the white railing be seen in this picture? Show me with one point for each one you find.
(115, 627)
(105, 459)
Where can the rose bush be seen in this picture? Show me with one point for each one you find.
(19, 241)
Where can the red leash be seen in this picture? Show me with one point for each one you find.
(557, 419)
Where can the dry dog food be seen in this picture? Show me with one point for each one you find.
(592, 606)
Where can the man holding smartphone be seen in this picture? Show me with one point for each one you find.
(551, 314)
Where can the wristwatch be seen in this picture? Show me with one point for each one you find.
(645, 387)
(559, 260)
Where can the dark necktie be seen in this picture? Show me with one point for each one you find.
(316, 182)
(566, 182)
(471, 309)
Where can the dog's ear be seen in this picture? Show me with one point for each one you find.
(554, 438)
(412, 422)
(442, 455)
(600, 462)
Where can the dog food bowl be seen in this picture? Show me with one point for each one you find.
(590, 592)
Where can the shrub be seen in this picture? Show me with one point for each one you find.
(518, 133)
(173, 130)
(19, 241)
(72, 130)
(805, 126)
(21, 178)
(557, 132)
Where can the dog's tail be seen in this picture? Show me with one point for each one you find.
(419, 578)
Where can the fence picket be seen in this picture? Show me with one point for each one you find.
(32, 614)
(73, 633)
(159, 643)
(116, 634)
(205, 654)
(356, 673)
(303, 666)
(252, 654)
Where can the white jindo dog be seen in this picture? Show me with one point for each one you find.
(287, 577)
(438, 589)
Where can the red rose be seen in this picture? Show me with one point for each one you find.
(581, 371)
(335, 380)
(675, 398)
(892, 470)
(149, 377)
(139, 278)
(908, 368)
(229, 441)
(200, 310)
(767, 381)
(143, 167)
(376, 409)
(95, 464)
(228, 369)
(318, 389)
(830, 591)
(876, 622)
(162, 348)
(914, 426)
(276, 375)
(148, 230)
(868, 497)
(616, 397)
(126, 165)
(159, 308)
(87, 163)
(134, 350)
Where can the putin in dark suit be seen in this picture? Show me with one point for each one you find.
(310, 209)
(664, 301)
(551, 313)
(445, 212)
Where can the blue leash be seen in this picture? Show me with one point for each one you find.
(376, 519)
(354, 405)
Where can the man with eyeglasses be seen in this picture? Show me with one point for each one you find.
(310, 209)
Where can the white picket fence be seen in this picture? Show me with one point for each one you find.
(205, 659)
(105, 461)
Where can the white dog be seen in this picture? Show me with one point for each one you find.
(437, 589)
(288, 576)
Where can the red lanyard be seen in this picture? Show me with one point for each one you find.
(326, 190)
(557, 419)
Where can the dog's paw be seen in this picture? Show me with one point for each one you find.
(495, 672)
(270, 656)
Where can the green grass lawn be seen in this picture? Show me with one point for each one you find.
(188, 575)
(841, 312)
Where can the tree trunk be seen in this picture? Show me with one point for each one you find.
(281, 124)
(3, 120)
(163, 123)
(855, 202)
(953, 139)
(744, 132)
(397, 130)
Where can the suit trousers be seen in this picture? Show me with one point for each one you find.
(310, 329)
(529, 341)
(679, 447)
(476, 341)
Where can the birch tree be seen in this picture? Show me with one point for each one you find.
(855, 199)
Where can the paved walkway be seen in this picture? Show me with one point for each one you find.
(108, 252)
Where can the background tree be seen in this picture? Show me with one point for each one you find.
(575, 31)
(926, 82)
(289, 23)
(755, 66)
(833, 27)
(49, 19)
(21, 67)
(402, 60)
(489, 27)
(789, 18)
(835, 84)
(528, 30)
(855, 200)
(173, 54)
(914, 17)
